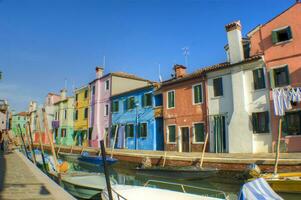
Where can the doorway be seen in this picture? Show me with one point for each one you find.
(220, 137)
(185, 143)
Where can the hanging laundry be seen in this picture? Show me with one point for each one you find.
(121, 136)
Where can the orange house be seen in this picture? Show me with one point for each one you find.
(184, 111)
(279, 40)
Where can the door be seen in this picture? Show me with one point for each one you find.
(220, 139)
(185, 139)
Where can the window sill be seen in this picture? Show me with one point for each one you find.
(197, 142)
(264, 133)
(171, 108)
(259, 90)
(171, 143)
(196, 104)
(292, 136)
(283, 42)
(218, 97)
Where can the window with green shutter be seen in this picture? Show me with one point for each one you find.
(172, 133)
(199, 132)
(260, 122)
(292, 123)
(147, 100)
(86, 113)
(129, 130)
(171, 99)
(130, 103)
(113, 129)
(279, 77)
(115, 106)
(76, 115)
(197, 94)
(282, 35)
(258, 78)
(143, 130)
(218, 87)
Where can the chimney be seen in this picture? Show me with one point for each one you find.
(180, 70)
(236, 53)
(99, 72)
(63, 94)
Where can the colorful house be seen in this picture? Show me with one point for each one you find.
(32, 117)
(4, 115)
(19, 119)
(184, 111)
(81, 115)
(102, 88)
(133, 112)
(279, 40)
(63, 119)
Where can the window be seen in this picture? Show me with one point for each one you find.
(218, 87)
(197, 94)
(107, 85)
(199, 132)
(147, 100)
(171, 133)
(129, 130)
(86, 113)
(106, 110)
(279, 77)
(158, 100)
(282, 35)
(258, 78)
(115, 106)
(292, 123)
(260, 122)
(76, 97)
(65, 114)
(86, 94)
(171, 99)
(76, 115)
(56, 116)
(143, 130)
(130, 103)
(63, 132)
(18, 118)
(93, 89)
(113, 130)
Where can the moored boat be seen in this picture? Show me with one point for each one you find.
(68, 156)
(96, 160)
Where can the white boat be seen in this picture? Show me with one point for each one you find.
(151, 192)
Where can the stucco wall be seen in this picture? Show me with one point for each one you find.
(121, 84)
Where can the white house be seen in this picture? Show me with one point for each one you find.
(238, 100)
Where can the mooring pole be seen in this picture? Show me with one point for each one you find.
(30, 136)
(23, 141)
(106, 171)
(41, 142)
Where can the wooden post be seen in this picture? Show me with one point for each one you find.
(204, 149)
(278, 146)
(23, 141)
(114, 142)
(165, 154)
(106, 172)
(41, 143)
(30, 145)
(50, 140)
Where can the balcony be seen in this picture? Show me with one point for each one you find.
(158, 111)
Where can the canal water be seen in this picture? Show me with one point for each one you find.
(125, 173)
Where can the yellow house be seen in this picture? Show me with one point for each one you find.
(81, 115)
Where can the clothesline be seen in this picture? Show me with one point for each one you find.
(283, 97)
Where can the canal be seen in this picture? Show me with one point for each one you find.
(125, 173)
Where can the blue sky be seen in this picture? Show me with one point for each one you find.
(44, 42)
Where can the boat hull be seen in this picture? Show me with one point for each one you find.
(96, 160)
(80, 191)
(286, 186)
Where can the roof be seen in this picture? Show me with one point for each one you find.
(123, 75)
(259, 26)
(22, 114)
(51, 93)
(154, 85)
(203, 70)
(81, 88)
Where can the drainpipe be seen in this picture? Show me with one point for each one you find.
(137, 128)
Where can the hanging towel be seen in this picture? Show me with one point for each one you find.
(258, 189)
(121, 134)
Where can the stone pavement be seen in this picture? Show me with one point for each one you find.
(20, 179)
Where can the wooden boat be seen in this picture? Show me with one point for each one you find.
(284, 182)
(151, 192)
(96, 160)
(68, 156)
(180, 173)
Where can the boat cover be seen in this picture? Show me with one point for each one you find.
(258, 189)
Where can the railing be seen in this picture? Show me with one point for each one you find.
(186, 188)
(116, 195)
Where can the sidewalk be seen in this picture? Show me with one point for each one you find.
(20, 179)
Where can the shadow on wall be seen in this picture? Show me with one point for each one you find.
(2, 171)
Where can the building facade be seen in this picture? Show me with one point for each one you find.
(279, 40)
(81, 115)
(133, 114)
(102, 88)
(4, 115)
(184, 111)
(19, 119)
(63, 122)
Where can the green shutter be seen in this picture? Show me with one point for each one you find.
(289, 33)
(272, 78)
(255, 122)
(197, 94)
(287, 75)
(266, 121)
(284, 126)
(274, 37)
(199, 132)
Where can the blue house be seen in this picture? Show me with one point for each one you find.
(134, 114)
